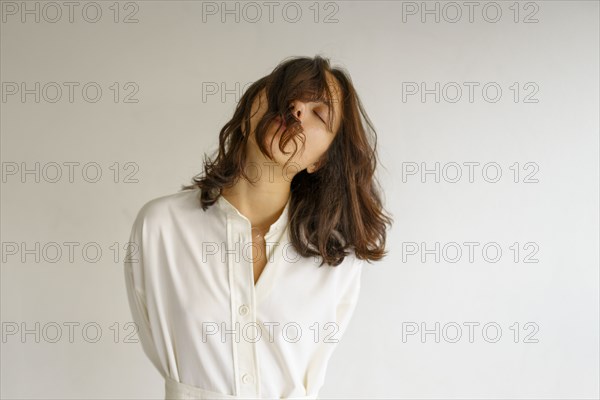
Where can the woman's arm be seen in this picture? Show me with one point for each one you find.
(349, 297)
(136, 293)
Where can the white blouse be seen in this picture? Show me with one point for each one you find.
(204, 324)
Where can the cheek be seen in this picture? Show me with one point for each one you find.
(317, 143)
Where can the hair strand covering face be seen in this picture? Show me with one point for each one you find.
(337, 207)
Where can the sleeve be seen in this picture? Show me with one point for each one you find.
(349, 297)
(136, 292)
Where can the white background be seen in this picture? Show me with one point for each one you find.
(171, 54)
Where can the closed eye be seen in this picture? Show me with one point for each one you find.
(320, 117)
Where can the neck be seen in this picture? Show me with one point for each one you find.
(263, 201)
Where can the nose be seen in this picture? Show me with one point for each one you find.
(298, 109)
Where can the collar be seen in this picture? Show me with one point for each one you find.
(229, 209)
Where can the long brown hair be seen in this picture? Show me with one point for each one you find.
(332, 209)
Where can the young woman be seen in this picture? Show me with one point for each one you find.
(242, 284)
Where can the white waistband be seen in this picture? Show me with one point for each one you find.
(180, 391)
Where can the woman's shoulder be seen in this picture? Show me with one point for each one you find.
(166, 207)
(350, 266)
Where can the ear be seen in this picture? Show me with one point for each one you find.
(312, 168)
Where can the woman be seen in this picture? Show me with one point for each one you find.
(242, 284)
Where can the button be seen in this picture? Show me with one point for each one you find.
(247, 378)
(243, 310)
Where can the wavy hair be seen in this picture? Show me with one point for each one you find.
(332, 209)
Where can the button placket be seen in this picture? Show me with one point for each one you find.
(244, 299)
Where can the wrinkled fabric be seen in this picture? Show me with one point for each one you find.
(205, 325)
